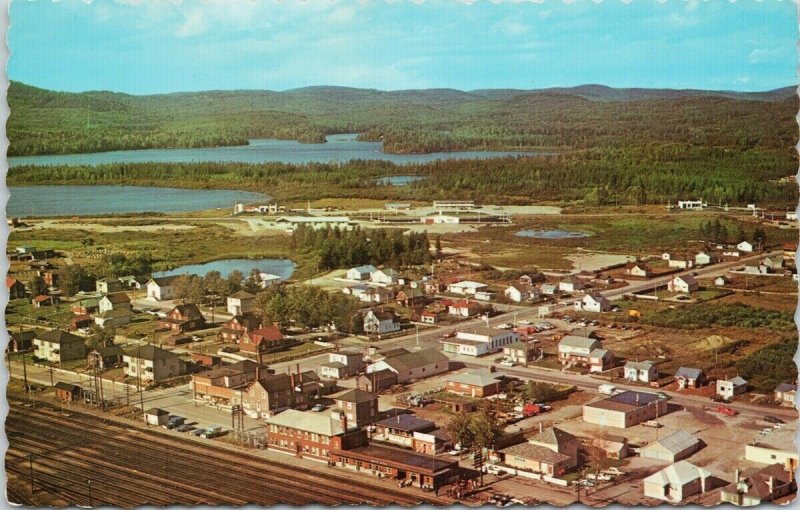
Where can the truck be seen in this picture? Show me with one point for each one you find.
(211, 432)
(607, 389)
(175, 421)
(651, 423)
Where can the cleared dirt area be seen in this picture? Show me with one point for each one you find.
(106, 228)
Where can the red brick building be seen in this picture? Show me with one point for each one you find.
(237, 326)
(311, 434)
(261, 340)
(183, 318)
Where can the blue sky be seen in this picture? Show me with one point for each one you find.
(156, 46)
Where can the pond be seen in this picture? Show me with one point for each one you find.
(399, 180)
(279, 267)
(551, 234)
(96, 200)
(338, 148)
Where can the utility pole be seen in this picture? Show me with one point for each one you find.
(30, 464)
(89, 484)
(25, 372)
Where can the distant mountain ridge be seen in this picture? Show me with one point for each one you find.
(424, 120)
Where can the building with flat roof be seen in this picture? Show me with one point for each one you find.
(478, 340)
(625, 409)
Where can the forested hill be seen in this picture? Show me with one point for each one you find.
(589, 116)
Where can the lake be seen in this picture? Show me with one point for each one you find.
(94, 200)
(551, 234)
(339, 148)
(399, 180)
(279, 267)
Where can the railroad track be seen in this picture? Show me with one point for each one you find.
(132, 467)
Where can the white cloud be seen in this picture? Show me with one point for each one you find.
(510, 28)
(194, 24)
(764, 55)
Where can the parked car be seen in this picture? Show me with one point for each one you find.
(507, 363)
(525, 322)
(184, 428)
(318, 408)
(505, 325)
(772, 419)
(198, 432)
(603, 477)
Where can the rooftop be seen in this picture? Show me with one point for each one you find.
(676, 442)
(481, 377)
(678, 474)
(400, 458)
(407, 422)
(535, 452)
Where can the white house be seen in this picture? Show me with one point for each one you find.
(729, 388)
(576, 349)
(114, 301)
(686, 284)
(464, 308)
(478, 340)
(640, 371)
(360, 272)
(151, 363)
(384, 276)
(380, 322)
(702, 259)
(161, 288)
(467, 287)
(745, 247)
(240, 302)
(593, 302)
(548, 289)
(690, 204)
(721, 281)
(681, 263)
(676, 482)
(518, 292)
(412, 365)
(342, 364)
(570, 284)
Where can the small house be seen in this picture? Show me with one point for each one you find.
(745, 246)
(687, 377)
(464, 308)
(785, 394)
(161, 288)
(240, 302)
(57, 346)
(360, 273)
(593, 302)
(571, 284)
(684, 283)
(114, 301)
(108, 285)
(183, 318)
(378, 322)
(702, 259)
(67, 392)
(261, 340)
(759, 485)
(151, 363)
(16, 289)
(640, 371)
(384, 276)
(113, 318)
(156, 417)
(548, 289)
(233, 329)
(600, 360)
(729, 388)
(20, 340)
(638, 269)
(721, 281)
(676, 482)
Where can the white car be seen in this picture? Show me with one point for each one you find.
(507, 363)
(505, 325)
(525, 322)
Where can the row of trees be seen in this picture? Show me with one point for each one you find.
(717, 231)
(347, 248)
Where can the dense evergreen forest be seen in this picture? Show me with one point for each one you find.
(650, 174)
(47, 122)
(347, 248)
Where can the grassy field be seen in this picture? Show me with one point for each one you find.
(629, 234)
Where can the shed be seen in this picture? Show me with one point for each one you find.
(156, 416)
(674, 447)
(67, 392)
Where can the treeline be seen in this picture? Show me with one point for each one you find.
(717, 231)
(339, 249)
(635, 175)
(729, 315)
(47, 122)
(770, 366)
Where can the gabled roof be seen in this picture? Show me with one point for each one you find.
(150, 353)
(58, 336)
(599, 353)
(382, 315)
(410, 360)
(554, 436)
(481, 377)
(270, 334)
(687, 279)
(640, 365)
(117, 297)
(165, 281)
(676, 442)
(785, 387)
(355, 396)
(248, 319)
(738, 381)
(61, 385)
(688, 373)
(242, 294)
(112, 314)
(678, 474)
(11, 281)
(364, 269)
(756, 482)
(535, 452)
(189, 311)
(307, 421)
(578, 342)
